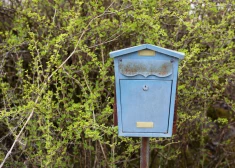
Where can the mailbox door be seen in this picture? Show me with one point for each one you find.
(145, 105)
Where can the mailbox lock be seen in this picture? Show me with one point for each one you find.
(145, 88)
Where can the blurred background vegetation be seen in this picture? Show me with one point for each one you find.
(54, 61)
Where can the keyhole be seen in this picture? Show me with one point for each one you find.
(145, 87)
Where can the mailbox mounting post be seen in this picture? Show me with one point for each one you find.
(144, 153)
(145, 86)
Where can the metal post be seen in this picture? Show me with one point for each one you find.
(144, 153)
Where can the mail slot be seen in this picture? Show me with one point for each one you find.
(145, 79)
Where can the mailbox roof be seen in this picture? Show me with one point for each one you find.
(169, 52)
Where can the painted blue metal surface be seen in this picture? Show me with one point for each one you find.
(165, 51)
(145, 96)
(150, 105)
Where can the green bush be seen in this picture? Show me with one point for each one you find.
(55, 65)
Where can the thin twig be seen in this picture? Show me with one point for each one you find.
(102, 149)
(54, 16)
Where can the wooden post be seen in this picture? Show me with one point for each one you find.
(144, 153)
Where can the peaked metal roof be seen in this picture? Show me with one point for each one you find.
(169, 52)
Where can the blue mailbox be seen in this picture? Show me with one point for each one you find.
(146, 79)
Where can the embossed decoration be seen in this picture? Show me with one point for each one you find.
(159, 68)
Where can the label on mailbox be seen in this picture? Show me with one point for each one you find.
(146, 53)
(144, 124)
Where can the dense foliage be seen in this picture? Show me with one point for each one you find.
(54, 64)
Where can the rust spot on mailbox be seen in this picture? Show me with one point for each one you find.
(163, 70)
(141, 67)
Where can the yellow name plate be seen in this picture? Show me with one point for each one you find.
(146, 53)
(144, 124)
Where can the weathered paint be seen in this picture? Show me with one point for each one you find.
(131, 67)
